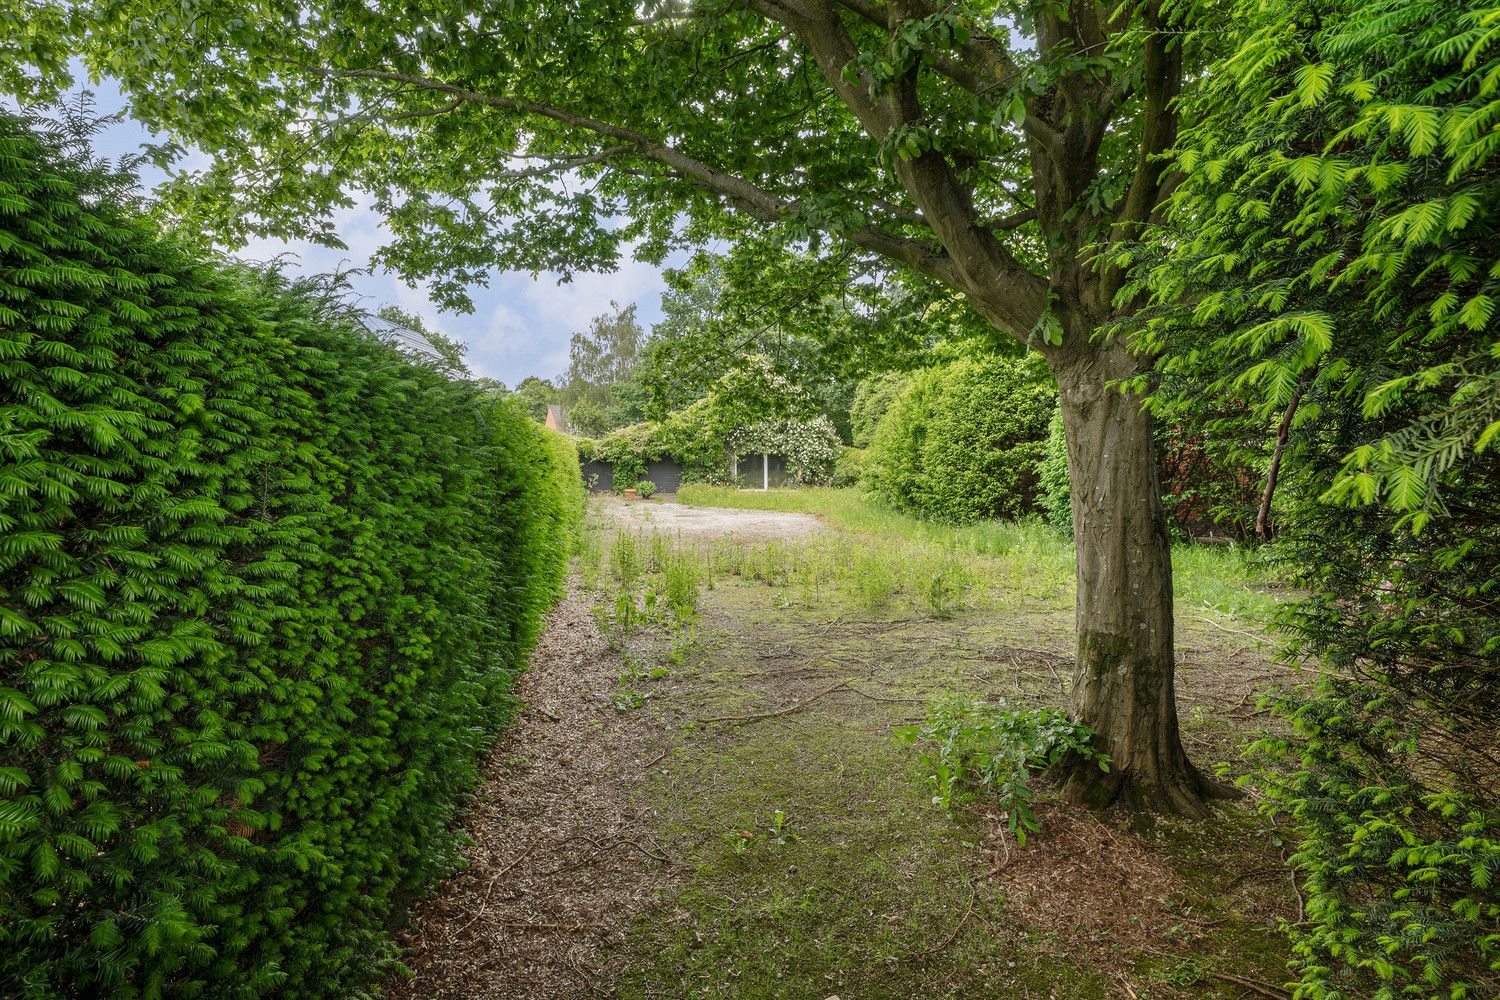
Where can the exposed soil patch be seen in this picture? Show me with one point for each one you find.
(1092, 890)
(705, 523)
(561, 858)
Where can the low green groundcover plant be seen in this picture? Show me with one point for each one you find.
(265, 581)
(987, 749)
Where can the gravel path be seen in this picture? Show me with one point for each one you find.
(704, 523)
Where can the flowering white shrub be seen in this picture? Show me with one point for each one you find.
(811, 448)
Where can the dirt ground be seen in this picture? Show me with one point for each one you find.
(694, 524)
(746, 826)
(561, 858)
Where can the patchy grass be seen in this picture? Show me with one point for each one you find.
(785, 684)
(1214, 580)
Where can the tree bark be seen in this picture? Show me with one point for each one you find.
(1263, 515)
(1123, 687)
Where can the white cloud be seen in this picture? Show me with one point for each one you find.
(573, 304)
(509, 346)
(520, 325)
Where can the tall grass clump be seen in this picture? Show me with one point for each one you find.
(265, 581)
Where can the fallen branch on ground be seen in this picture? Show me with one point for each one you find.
(1256, 986)
(490, 887)
(953, 934)
(896, 701)
(780, 711)
(1258, 639)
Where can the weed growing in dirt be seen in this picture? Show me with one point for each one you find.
(873, 580)
(618, 619)
(589, 555)
(652, 586)
(657, 549)
(943, 582)
(680, 579)
(624, 562)
(975, 748)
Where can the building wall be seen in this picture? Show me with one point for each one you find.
(599, 476)
(751, 471)
(666, 474)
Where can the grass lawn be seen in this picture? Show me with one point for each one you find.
(1209, 580)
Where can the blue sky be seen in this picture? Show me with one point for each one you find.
(520, 325)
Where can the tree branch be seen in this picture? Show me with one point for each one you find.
(994, 281)
(997, 70)
(564, 163)
(452, 105)
(1014, 220)
(1161, 82)
(755, 201)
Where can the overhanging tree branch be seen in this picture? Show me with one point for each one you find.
(994, 281)
(754, 200)
(996, 70)
(562, 164)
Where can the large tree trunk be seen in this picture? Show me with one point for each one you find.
(1123, 677)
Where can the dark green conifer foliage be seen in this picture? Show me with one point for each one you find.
(265, 582)
(1334, 269)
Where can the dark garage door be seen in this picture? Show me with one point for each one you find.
(667, 475)
(599, 476)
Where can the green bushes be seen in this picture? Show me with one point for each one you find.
(734, 418)
(696, 437)
(963, 441)
(849, 470)
(1054, 492)
(1386, 766)
(1333, 270)
(810, 448)
(264, 584)
(871, 401)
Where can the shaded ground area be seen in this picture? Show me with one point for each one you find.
(562, 855)
(718, 806)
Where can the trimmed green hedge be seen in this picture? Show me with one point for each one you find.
(1054, 489)
(264, 585)
(871, 401)
(963, 441)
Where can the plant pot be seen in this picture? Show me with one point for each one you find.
(630, 493)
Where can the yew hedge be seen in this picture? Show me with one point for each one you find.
(265, 582)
